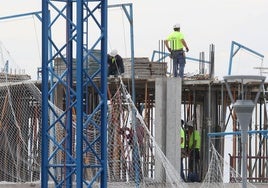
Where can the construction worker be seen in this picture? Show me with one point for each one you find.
(115, 64)
(182, 134)
(194, 149)
(175, 43)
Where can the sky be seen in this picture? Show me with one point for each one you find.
(203, 23)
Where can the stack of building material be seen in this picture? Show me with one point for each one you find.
(158, 69)
(143, 68)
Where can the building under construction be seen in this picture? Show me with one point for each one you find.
(89, 130)
(199, 98)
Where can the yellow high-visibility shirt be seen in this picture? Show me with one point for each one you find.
(175, 40)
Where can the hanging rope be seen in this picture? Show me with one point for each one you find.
(123, 24)
(111, 46)
(36, 38)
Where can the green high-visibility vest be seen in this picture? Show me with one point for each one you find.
(195, 136)
(183, 138)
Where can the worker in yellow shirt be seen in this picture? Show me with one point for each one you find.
(175, 43)
(194, 149)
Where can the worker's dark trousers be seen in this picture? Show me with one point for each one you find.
(178, 63)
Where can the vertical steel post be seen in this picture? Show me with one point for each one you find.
(44, 158)
(79, 90)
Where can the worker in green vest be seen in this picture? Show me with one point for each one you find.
(194, 150)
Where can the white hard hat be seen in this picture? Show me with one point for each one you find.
(177, 25)
(113, 53)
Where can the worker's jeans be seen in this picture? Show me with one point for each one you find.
(178, 62)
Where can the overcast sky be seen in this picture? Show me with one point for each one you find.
(202, 22)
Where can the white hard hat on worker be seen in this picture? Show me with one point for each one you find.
(177, 25)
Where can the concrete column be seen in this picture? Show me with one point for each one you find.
(173, 114)
(167, 121)
(160, 124)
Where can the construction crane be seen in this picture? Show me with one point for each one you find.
(76, 155)
(63, 161)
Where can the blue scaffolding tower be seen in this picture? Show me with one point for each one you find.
(74, 20)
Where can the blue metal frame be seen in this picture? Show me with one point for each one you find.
(219, 134)
(164, 55)
(233, 53)
(37, 14)
(74, 146)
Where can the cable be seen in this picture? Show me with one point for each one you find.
(36, 37)
(123, 24)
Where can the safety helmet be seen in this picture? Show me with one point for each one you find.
(176, 26)
(113, 53)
